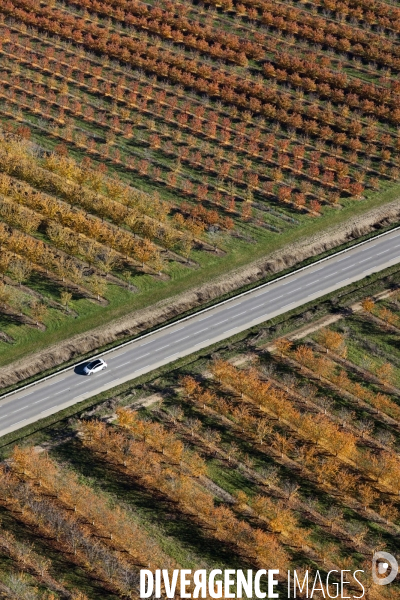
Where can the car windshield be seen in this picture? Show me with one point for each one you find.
(94, 364)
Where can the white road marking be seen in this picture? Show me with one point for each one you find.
(200, 330)
(266, 295)
(162, 347)
(224, 321)
(119, 355)
(181, 339)
(341, 260)
(18, 410)
(168, 357)
(37, 402)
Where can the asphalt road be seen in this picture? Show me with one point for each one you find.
(194, 333)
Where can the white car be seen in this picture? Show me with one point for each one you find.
(96, 365)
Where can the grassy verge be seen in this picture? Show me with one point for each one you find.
(239, 252)
(118, 291)
(282, 325)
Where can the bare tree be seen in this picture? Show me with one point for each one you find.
(290, 487)
(270, 476)
(194, 425)
(176, 413)
(366, 426)
(334, 515)
(20, 270)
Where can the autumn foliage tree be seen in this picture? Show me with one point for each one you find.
(332, 340)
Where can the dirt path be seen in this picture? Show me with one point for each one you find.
(302, 332)
(144, 319)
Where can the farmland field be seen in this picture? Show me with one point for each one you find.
(147, 148)
(276, 451)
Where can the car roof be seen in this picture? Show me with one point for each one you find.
(95, 362)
